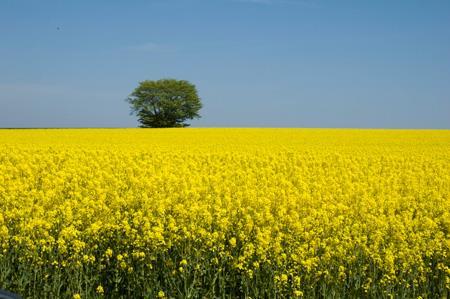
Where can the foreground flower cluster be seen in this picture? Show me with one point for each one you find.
(200, 213)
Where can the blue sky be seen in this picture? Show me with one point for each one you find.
(256, 63)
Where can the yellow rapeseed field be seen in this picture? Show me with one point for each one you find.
(229, 213)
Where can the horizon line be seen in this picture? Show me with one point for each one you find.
(255, 127)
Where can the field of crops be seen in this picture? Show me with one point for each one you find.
(204, 213)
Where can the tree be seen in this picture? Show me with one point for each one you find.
(165, 103)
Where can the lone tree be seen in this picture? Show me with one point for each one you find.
(165, 103)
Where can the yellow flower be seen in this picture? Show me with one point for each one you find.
(99, 289)
(109, 252)
(298, 293)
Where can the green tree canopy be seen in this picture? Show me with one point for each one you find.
(165, 103)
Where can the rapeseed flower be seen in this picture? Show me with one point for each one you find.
(216, 212)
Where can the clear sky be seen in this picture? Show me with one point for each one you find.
(256, 63)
